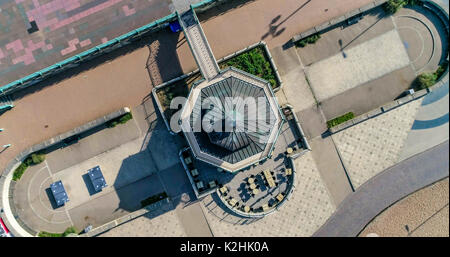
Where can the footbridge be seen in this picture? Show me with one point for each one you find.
(199, 44)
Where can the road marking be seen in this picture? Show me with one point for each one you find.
(49, 170)
(29, 197)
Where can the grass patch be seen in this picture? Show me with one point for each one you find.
(69, 230)
(392, 6)
(428, 79)
(341, 119)
(33, 159)
(254, 62)
(119, 120)
(153, 199)
(308, 40)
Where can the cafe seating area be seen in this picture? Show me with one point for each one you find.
(259, 192)
(255, 191)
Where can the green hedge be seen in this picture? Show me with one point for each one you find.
(33, 159)
(340, 119)
(19, 171)
(119, 120)
(153, 199)
(69, 230)
(392, 6)
(37, 158)
(308, 40)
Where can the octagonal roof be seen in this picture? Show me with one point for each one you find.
(231, 121)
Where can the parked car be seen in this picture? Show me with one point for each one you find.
(4, 232)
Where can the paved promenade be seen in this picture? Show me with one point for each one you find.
(64, 28)
(385, 189)
(370, 147)
(125, 81)
(91, 93)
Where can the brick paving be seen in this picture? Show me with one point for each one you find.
(65, 28)
(306, 210)
(374, 145)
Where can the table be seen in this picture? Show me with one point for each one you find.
(288, 171)
(223, 190)
(269, 178)
(255, 191)
(252, 186)
(232, 202)
(265, 207)
(188, 160)
(280, 197)
(289, 150)
(250, 180)
(247, 208)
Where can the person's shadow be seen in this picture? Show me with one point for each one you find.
(274, 30)
(342, 49)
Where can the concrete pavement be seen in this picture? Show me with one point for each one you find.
(64, 28)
